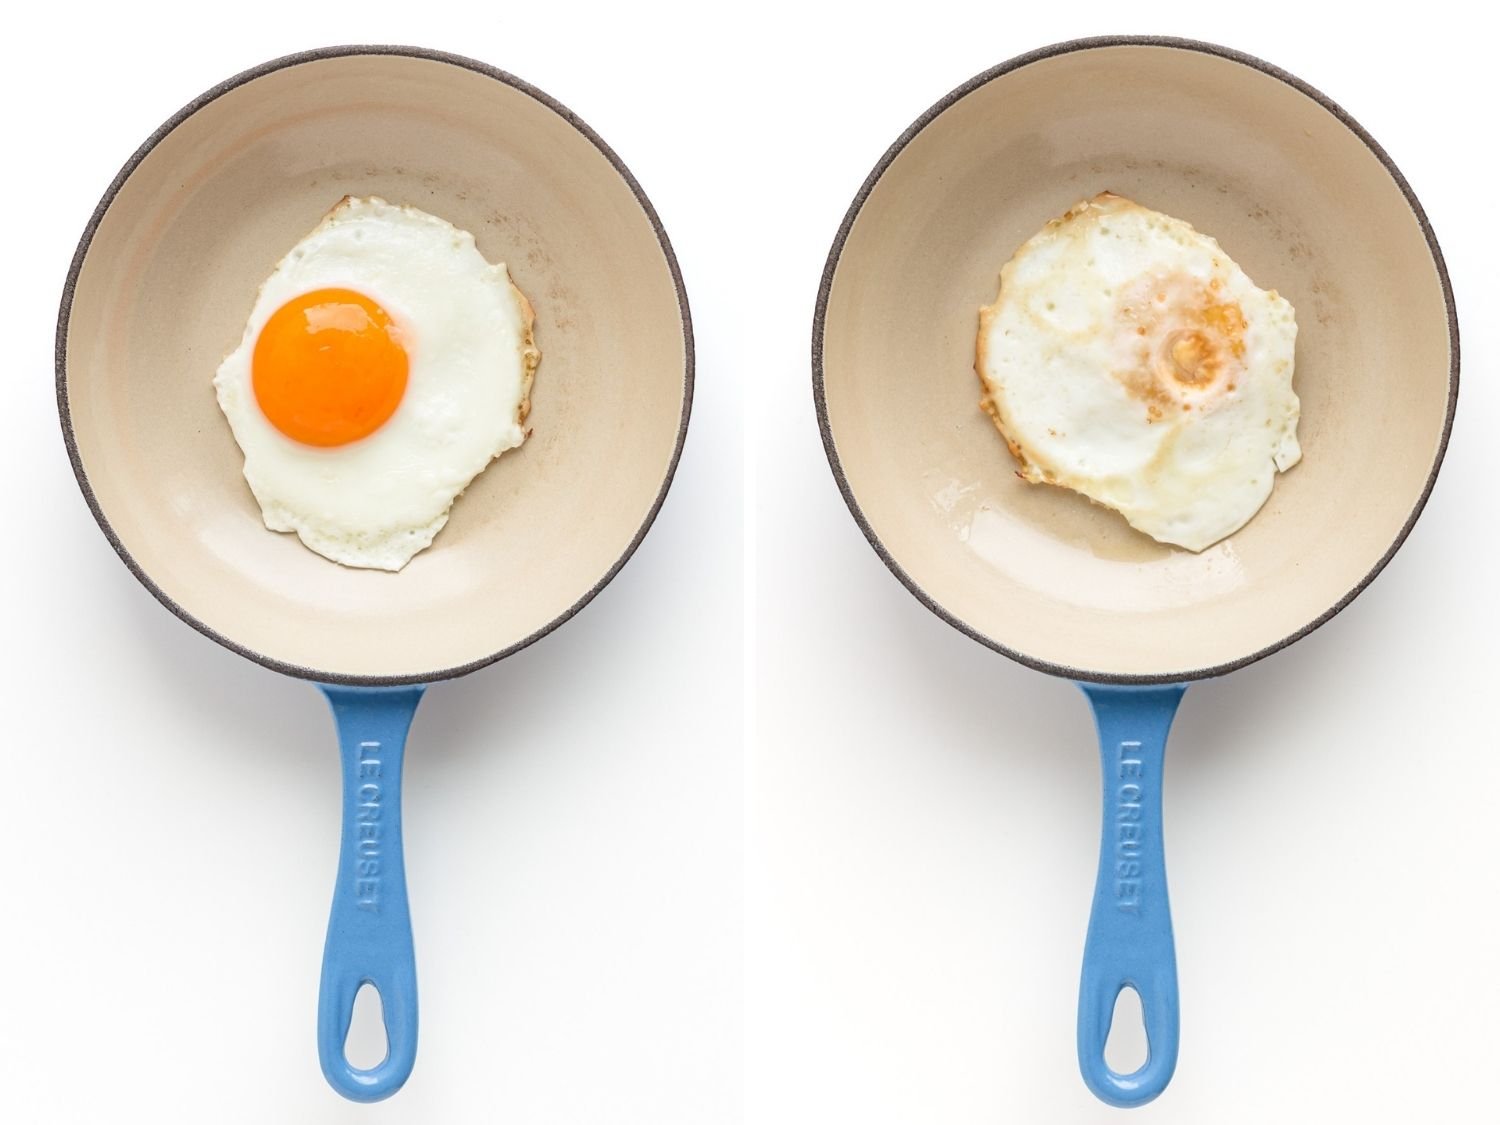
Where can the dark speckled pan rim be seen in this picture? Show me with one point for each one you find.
(81, 254)
(826, 288)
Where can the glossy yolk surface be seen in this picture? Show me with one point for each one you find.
(329, 367)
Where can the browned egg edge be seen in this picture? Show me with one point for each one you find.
(1027, 471)
(1032, 474)
(531, 355)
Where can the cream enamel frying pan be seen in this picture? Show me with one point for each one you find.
(159, 291)
(1306, 201)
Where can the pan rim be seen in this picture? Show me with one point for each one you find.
(213, 94)
(825, 289)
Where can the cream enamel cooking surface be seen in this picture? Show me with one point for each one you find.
(1296, 197)
(170, 277)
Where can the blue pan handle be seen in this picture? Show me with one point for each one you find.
(369, 928)
(1130, 928)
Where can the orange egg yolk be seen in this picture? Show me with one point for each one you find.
(329, 367)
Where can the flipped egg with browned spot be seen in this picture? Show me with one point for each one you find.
(385, 363)
(1128, 358)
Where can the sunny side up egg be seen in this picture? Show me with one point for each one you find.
(1129, 359)
(384, 365)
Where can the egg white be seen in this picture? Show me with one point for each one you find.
(1077, 362)
(467, 329)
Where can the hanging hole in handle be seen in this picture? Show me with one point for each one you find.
(365, 1046)
(1127, 1049)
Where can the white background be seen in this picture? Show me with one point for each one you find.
(921, 812)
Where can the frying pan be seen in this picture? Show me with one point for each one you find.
(1302, 198)
(159, 290)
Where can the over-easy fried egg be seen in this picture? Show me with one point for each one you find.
(1129, 359)
(384, 364)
